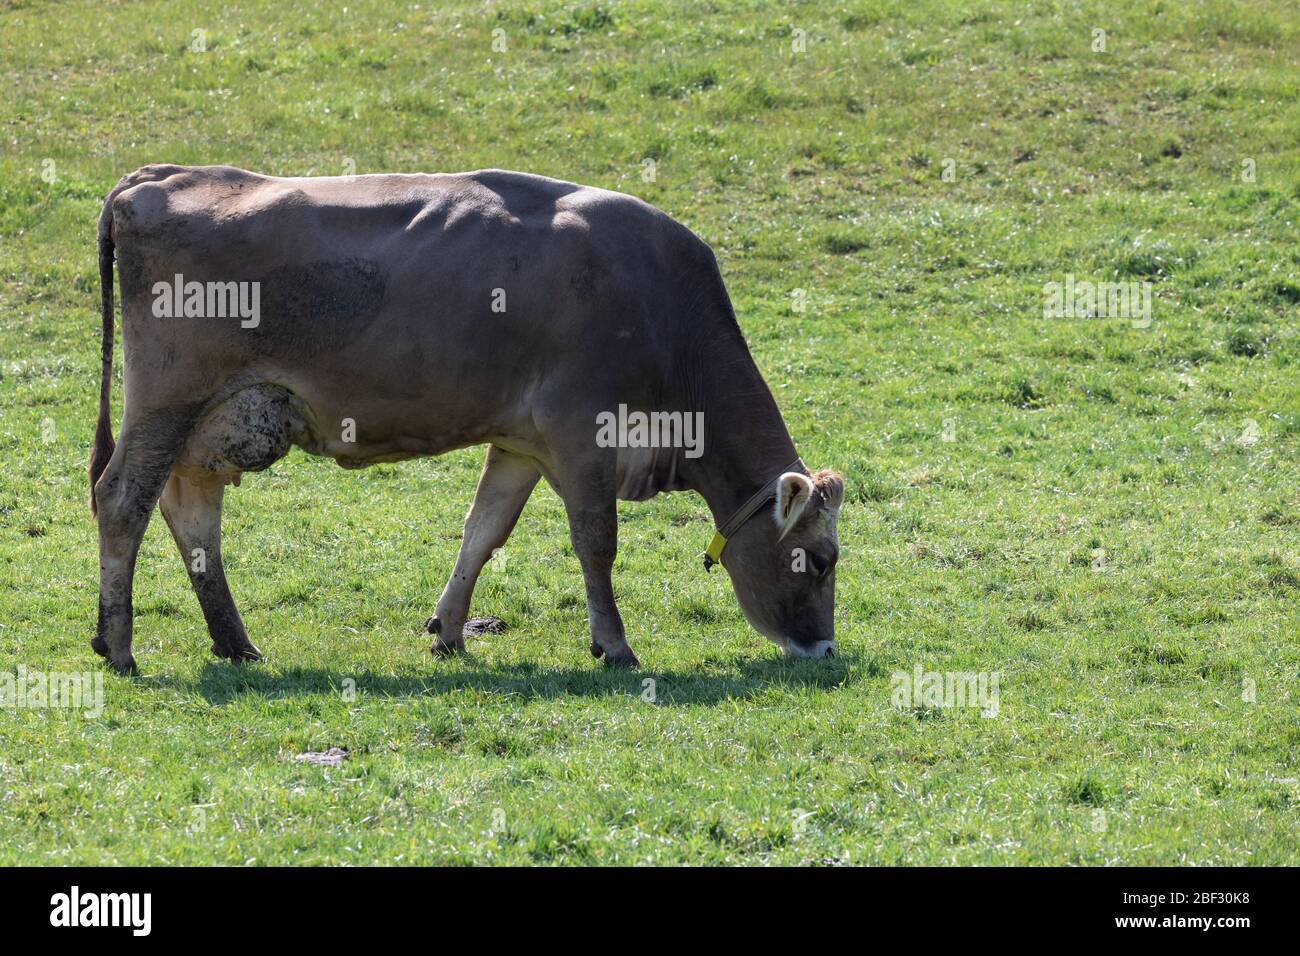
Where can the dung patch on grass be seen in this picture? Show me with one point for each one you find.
(484, 625)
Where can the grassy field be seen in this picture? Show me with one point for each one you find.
(1105, 516)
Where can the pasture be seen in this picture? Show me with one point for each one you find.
(1102, 511)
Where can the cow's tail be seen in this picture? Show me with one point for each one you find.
(101, 450)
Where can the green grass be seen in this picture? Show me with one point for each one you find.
(1106, 530)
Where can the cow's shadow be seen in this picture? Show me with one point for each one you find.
(221, 683)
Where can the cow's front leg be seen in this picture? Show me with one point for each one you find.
(192, 510)
(503, 489)
(592, 505)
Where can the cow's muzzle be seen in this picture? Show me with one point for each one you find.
(817, 649)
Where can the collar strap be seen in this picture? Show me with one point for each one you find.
(713, 553)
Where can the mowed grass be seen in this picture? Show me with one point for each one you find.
(1106, 517)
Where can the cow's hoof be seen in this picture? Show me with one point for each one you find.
(238, 655)
(99, 646)
(622, 658)
(443, 645)
(596, 650)
(124, 665)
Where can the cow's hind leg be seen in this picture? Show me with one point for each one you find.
(125, 495)
(249, 431)
(503, 489)
(192, 509)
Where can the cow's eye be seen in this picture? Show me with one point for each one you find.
(823, 564)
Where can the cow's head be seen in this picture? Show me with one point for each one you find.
(782, 564)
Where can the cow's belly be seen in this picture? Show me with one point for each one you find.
(342, 419)
(255, 427)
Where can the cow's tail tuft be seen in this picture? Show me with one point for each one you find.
(102, 448)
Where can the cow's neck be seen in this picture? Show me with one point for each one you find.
(746, 443)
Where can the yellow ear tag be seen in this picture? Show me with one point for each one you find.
(713, 553)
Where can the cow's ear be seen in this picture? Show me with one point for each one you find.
(792, 493)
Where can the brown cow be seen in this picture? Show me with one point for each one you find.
(581, 334)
